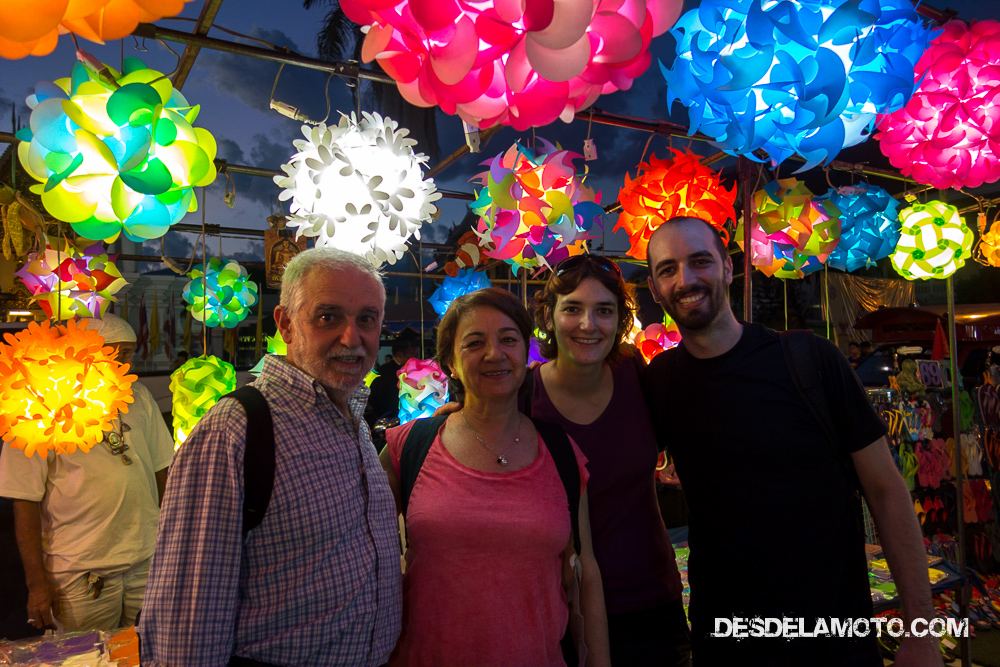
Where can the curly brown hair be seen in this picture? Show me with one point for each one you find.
(566, 282)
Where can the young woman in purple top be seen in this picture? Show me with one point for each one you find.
(591, 388)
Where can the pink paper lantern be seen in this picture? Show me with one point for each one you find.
(948, 134)
(506, 61)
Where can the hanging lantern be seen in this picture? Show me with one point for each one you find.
(222, 297)
(869, 228)
(466, 282)
(423, 388)
(934, 241)
(275, 345)
(804, 77)
(72, 279)
(115, 151)
(947, 134)
(988, 250)
(535, 209)
(516, 63)
(196, 387)
(60, 388)
(658, 337)
(665, 189)
(358, 187)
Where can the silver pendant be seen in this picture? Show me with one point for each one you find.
(126, 460)
(502, 460)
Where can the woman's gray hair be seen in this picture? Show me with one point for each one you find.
(332, 259)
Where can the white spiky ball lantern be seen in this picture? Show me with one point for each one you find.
(358, 186)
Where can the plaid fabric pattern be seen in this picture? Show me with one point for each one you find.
(318, 582)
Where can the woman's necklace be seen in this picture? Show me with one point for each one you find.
(501, 458)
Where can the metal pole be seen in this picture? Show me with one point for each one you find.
(745, 175)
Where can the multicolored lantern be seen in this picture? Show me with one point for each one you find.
(657, 338)
(869, 226)
(358, 186)
(804, 77)
(223, 296)
(535, 209)
(516, 63)
(423, 388)
(196, 387)
(934, 241)
(34, 28)
(60, 388)
(946, 136)
(466, 282)
(72, 279)
(665, 189)
(115, 151)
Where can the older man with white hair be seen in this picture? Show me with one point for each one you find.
(86, 521)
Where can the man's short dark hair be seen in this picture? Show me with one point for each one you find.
(721, 237)
(407, 339)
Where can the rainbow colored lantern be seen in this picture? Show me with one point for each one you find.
(466, 282)
(60, 388)
(869, 228)
(517, 63)
(535, 209)
(423, 388)
(664, 189)
(33, 28)
(222, 297)
(934, 241)
(657, 337)
(804, 77)
(947, 135)
(792, 232)
(72, 279)
(196, 387)
(359, 186)
(116, 151)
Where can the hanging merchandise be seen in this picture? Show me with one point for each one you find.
(664, 189)
(869, 226)
(803, 77)
(947, 134)
(275, 345)
(197, 386)
(423, 388)
(115, 151)
(466, 282)
(988, 249)
(60, 388)
(72, 279)
(535, 209)
(792, 233)
(222, 297)
(358, 186)
(515, 63)
(658, 337)
(934, 242)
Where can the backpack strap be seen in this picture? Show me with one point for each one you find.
(561, 450)
(415, 449)
(258, 457)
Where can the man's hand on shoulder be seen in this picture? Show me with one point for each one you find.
(447, 409)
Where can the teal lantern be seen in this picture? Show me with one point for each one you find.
(220, 296)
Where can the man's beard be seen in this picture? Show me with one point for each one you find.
(704, 316)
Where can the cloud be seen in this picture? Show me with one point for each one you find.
(175, 244)
(253, 253)
(265, 152)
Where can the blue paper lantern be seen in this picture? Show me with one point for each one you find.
(466, 282)
(869, 227)
(804, 77)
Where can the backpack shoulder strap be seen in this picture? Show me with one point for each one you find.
(258, 458)
(561, 450)
(415, 449)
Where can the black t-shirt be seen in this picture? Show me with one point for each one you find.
(384, 397)
(774, 529)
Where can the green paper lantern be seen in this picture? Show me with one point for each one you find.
(223, 296)
(934, 242)
(197, 386)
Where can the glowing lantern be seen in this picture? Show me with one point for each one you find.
(934, 241)
(60, 388)
(358, 187)
(115, 151)
(466, 282)
(196, 387)
(72, 279)
(792, 233)
(535, 209)
(517, 63)
(223, 296)
(671, 188)
(869, 227)
(947, 134)
(804, 77)
(275, 345)
(423, 388)
(658, 337)
(34, 28)
(988, 250)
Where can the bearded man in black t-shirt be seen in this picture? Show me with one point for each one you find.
(774, 521)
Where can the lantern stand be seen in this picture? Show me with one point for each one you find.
(744, 171)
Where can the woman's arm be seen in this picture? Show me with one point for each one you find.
(592, 595)
(386, 460)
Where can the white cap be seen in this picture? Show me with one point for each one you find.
(113, 329)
